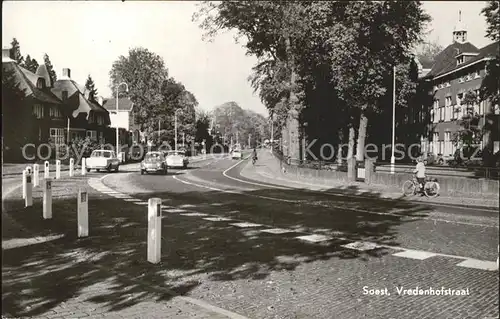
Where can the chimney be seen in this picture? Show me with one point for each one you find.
(6, 55)
(67, 73)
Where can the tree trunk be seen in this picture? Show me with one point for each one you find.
(363, 123)
(350, 149)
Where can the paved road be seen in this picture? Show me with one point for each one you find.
(272, 252)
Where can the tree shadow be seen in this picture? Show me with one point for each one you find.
(38, 277)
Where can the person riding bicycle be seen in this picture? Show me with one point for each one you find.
(420, 172)
(254, 154)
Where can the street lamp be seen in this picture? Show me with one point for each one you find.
(393, 159)
(117, 132)
(175, 117)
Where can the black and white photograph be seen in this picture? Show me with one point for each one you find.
(250, 159)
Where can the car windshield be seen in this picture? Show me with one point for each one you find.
(153, 156)
(171, 153)
(101, 154)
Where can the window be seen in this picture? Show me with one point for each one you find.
(448, 84)
(38, 111)
(497, 109)
(477, 105)
(441, 113)
(461, 79)
(40, 83)
(57, 135)
(447, 143)
(55, 112)
(100, 120)
(460, 60)
(92, 135)
(477, 74)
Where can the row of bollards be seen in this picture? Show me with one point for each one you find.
(154, 208)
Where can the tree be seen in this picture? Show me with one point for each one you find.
(367, 40)
(12, 111)
(15, 52)
(30, 64)
(50, 68)
(90, 86)
(427, 52)
(492, 14)
(144, 72)
(202, 127)
(470, 133)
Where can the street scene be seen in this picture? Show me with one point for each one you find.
(250, 159)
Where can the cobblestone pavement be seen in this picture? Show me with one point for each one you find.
(243, 250)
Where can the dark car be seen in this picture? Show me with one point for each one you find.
(154, 162)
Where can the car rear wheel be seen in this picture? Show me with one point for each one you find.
(88, 170)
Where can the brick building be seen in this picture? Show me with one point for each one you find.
(458, 69)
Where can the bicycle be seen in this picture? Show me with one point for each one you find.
(412, 187)
(254, 159)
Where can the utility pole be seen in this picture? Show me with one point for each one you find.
(393, 159)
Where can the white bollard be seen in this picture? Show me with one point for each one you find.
(28, 201)
(154, 230)
(71, 167)
(47, 199)
(36, 176)
(58, 169)
(84, 169)
(83, 213)
(24, 183)
(47, 170)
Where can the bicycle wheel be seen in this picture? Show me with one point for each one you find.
(408, 188)
(431, 189)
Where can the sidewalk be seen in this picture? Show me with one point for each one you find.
(269, 170)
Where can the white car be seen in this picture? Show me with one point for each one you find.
(176, 159)
(236, 154)
(102, 159)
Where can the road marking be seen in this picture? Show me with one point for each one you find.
(361, 246)
(479, 264)
(245, 225)
(187, 206)
(175, 210)
(218, 219)
(277, 231)
(131, 200)
(314, 238)
(23, 242)
(414, 254)
(247, 182)
(141, 203)
(195, 214)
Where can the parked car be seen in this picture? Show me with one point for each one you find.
(154, 162)
(102, 159)
(176, 159)
(236, 154)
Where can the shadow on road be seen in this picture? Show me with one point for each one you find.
(38, 277)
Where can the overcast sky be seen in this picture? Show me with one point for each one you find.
(88, 36)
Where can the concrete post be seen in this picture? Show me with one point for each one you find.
(369, 170)
(36, 175)
(58, 169)
(47, 199)
(351, 169)
(71, 167)
(83, 213)
(28, 201)
(46, 170)
(24, 183)
(154, 230)
(84, 169)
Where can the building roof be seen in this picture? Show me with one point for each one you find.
(27, 81)
(446, 60)
(77, 100)
(124, 104)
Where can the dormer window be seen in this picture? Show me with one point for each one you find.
(460, 60)
(40, 84)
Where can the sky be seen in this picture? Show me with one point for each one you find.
(87, 36)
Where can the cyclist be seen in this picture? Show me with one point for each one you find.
(420, 171)
(254, 154)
